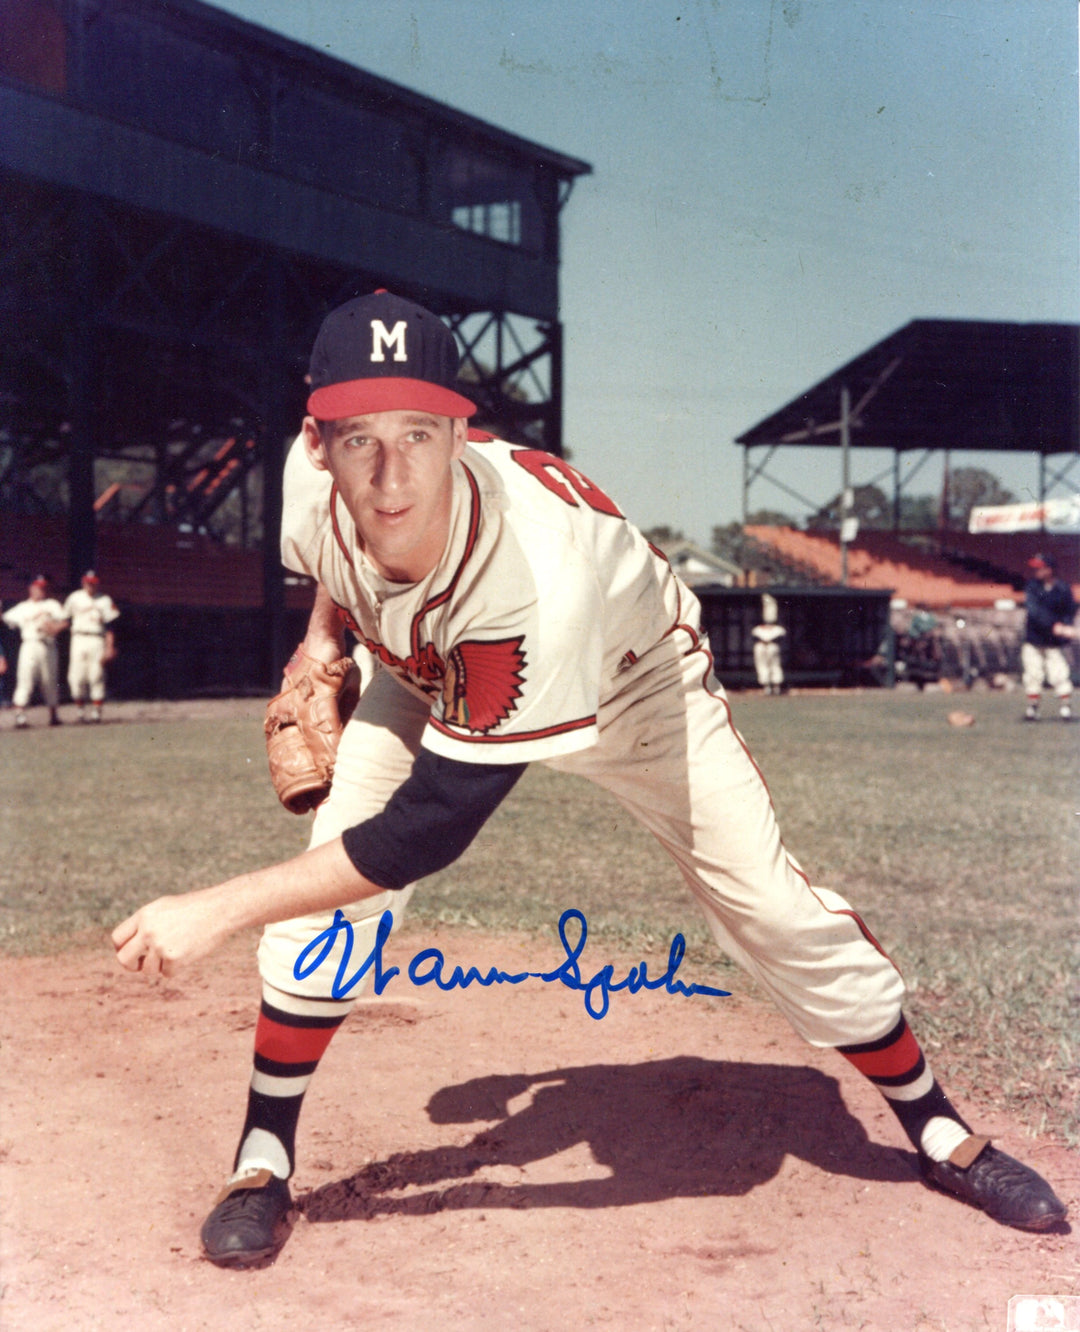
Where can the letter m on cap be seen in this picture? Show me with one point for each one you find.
(382, 337)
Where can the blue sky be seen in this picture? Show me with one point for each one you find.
(777, 185)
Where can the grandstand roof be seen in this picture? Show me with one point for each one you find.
(946, 384)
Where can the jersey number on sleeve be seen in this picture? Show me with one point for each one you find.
(563, 480)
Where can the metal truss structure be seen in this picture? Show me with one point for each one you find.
(163, 272)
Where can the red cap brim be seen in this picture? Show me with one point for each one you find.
(361, 397)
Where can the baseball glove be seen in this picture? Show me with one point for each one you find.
(303, 726)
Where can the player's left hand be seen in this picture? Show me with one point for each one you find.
(168, 933)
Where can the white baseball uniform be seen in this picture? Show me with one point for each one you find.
(1042, 655)
(37, 651)
(1045, 665)
(767, 663)
(552, 631)
(89, 613)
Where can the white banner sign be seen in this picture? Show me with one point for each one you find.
(1055, 515)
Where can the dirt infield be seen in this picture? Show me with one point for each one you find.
(480, 1160)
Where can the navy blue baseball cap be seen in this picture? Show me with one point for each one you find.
(380, 353)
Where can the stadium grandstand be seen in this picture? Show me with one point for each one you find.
(944, 386)
(183, 197)
(951, 569)
(933, 386)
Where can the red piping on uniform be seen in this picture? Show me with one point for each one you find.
(801, 873)
(563, 727)
(720, 698)
(849, 911)
(347, 618)
(442, 597)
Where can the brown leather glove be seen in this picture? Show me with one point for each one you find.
(304, 724)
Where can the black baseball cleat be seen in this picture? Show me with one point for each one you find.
(243, 1227)
(1005, 1189)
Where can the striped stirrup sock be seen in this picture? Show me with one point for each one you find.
(291, 1037)
(895, 1064)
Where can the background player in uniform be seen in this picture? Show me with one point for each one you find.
(39, 619)
(517, 617)
(90, 612)
(1051, 610)
(767, 637)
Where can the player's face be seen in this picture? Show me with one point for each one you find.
(393, 473)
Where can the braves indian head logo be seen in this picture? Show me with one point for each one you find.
(483, 683)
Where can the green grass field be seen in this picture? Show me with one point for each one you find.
(958, 846)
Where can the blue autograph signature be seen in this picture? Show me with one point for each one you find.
(428, 965)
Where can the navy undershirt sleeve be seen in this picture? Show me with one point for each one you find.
(429, 820)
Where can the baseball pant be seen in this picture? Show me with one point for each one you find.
(37, 666)
(668, 751)
(1045, 664)
(767, 664)
(86, 667)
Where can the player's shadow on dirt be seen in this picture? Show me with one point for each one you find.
(681, 1127)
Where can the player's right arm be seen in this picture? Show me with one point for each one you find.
(173, 931)
(425, 826)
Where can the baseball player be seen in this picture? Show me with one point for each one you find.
(1051, 610)
(39, 619)
(767, 637)
(89, 612)
(517, 617)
